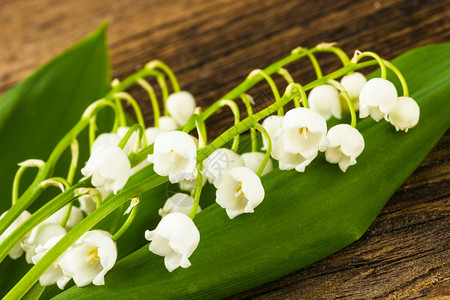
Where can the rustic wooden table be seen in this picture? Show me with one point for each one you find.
(211, 46)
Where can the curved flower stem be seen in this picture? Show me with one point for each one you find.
(93, 129)
(287, 76)
(399, 75)
(154, 101)
(202, 132)
(316, 65)
(137, 110)
(164, 91)
(157, 64)
(351, 107)
(198, 191)
(37, 163)
(268, 151)
(237, 116)
(120, 112)
(75, 151)
(273, 86)
(358, 55)
(248, 101)
(130, 131)
(329, 47)
(135, 207)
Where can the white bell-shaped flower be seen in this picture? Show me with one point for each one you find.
(324, 99)
(219, 162)
(54, 273)
(167, 123)
(253, 161)
(105, 139)
(288, 160)
(90, 258)
(174, 155)
(181, 106)
(346, 144)
(377, 98)
(88, 203)
(151, 133)
(176, 237)
(239, 191)
(17, 251)
(353, 84)
(405, 114)
(304, 132)
(179, 202)
(39, 236)
(75, 217)
(271, 124)
(109, 167)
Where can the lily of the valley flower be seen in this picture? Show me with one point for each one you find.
(167, 124)
(271, 124)
(17, 251)
(176, 237)
(109, 167)
(90, 258)
(324, 99)
(181, 106)
(54, 274)
(253, 161)
(219, 162)
(405, 114)
(346, 144)
(179, 202)
(115, 138)
(239, 191)
(39, 236)
(304, 132)
(174, 155)
(189, 185)
(377, 98)
(353, 84)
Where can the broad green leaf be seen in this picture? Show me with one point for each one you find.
(37, 112)
(304, 217)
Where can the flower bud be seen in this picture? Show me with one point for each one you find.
(377, 98)
(324, 99)
(405, 114)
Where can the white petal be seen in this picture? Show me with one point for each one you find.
(181, 106)
(253, 161)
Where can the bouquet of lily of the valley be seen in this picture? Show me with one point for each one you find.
(123, 209)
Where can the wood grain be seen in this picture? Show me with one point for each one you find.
(211, 46)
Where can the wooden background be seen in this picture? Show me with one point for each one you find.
(211, 46)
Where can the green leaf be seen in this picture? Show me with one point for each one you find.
(304, 217)
(37, 112)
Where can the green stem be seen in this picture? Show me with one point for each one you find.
(399, 75)
(120, 112)
(153, 100)
(157, 64)
(359, 55)
(127, 223)
(287, 76)
(316, 65)
(137, 110)
(273, 86)
(351, 107)
(248, 101)
(237, 116)
(198, 191)
(202, 133)
(268, 151)
(67, 215)
(164, 91)
(22, 167)
(338, 52)
(92, 130)
(130, 131)
(75, 151)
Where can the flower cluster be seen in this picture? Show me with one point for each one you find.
(291, 140)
